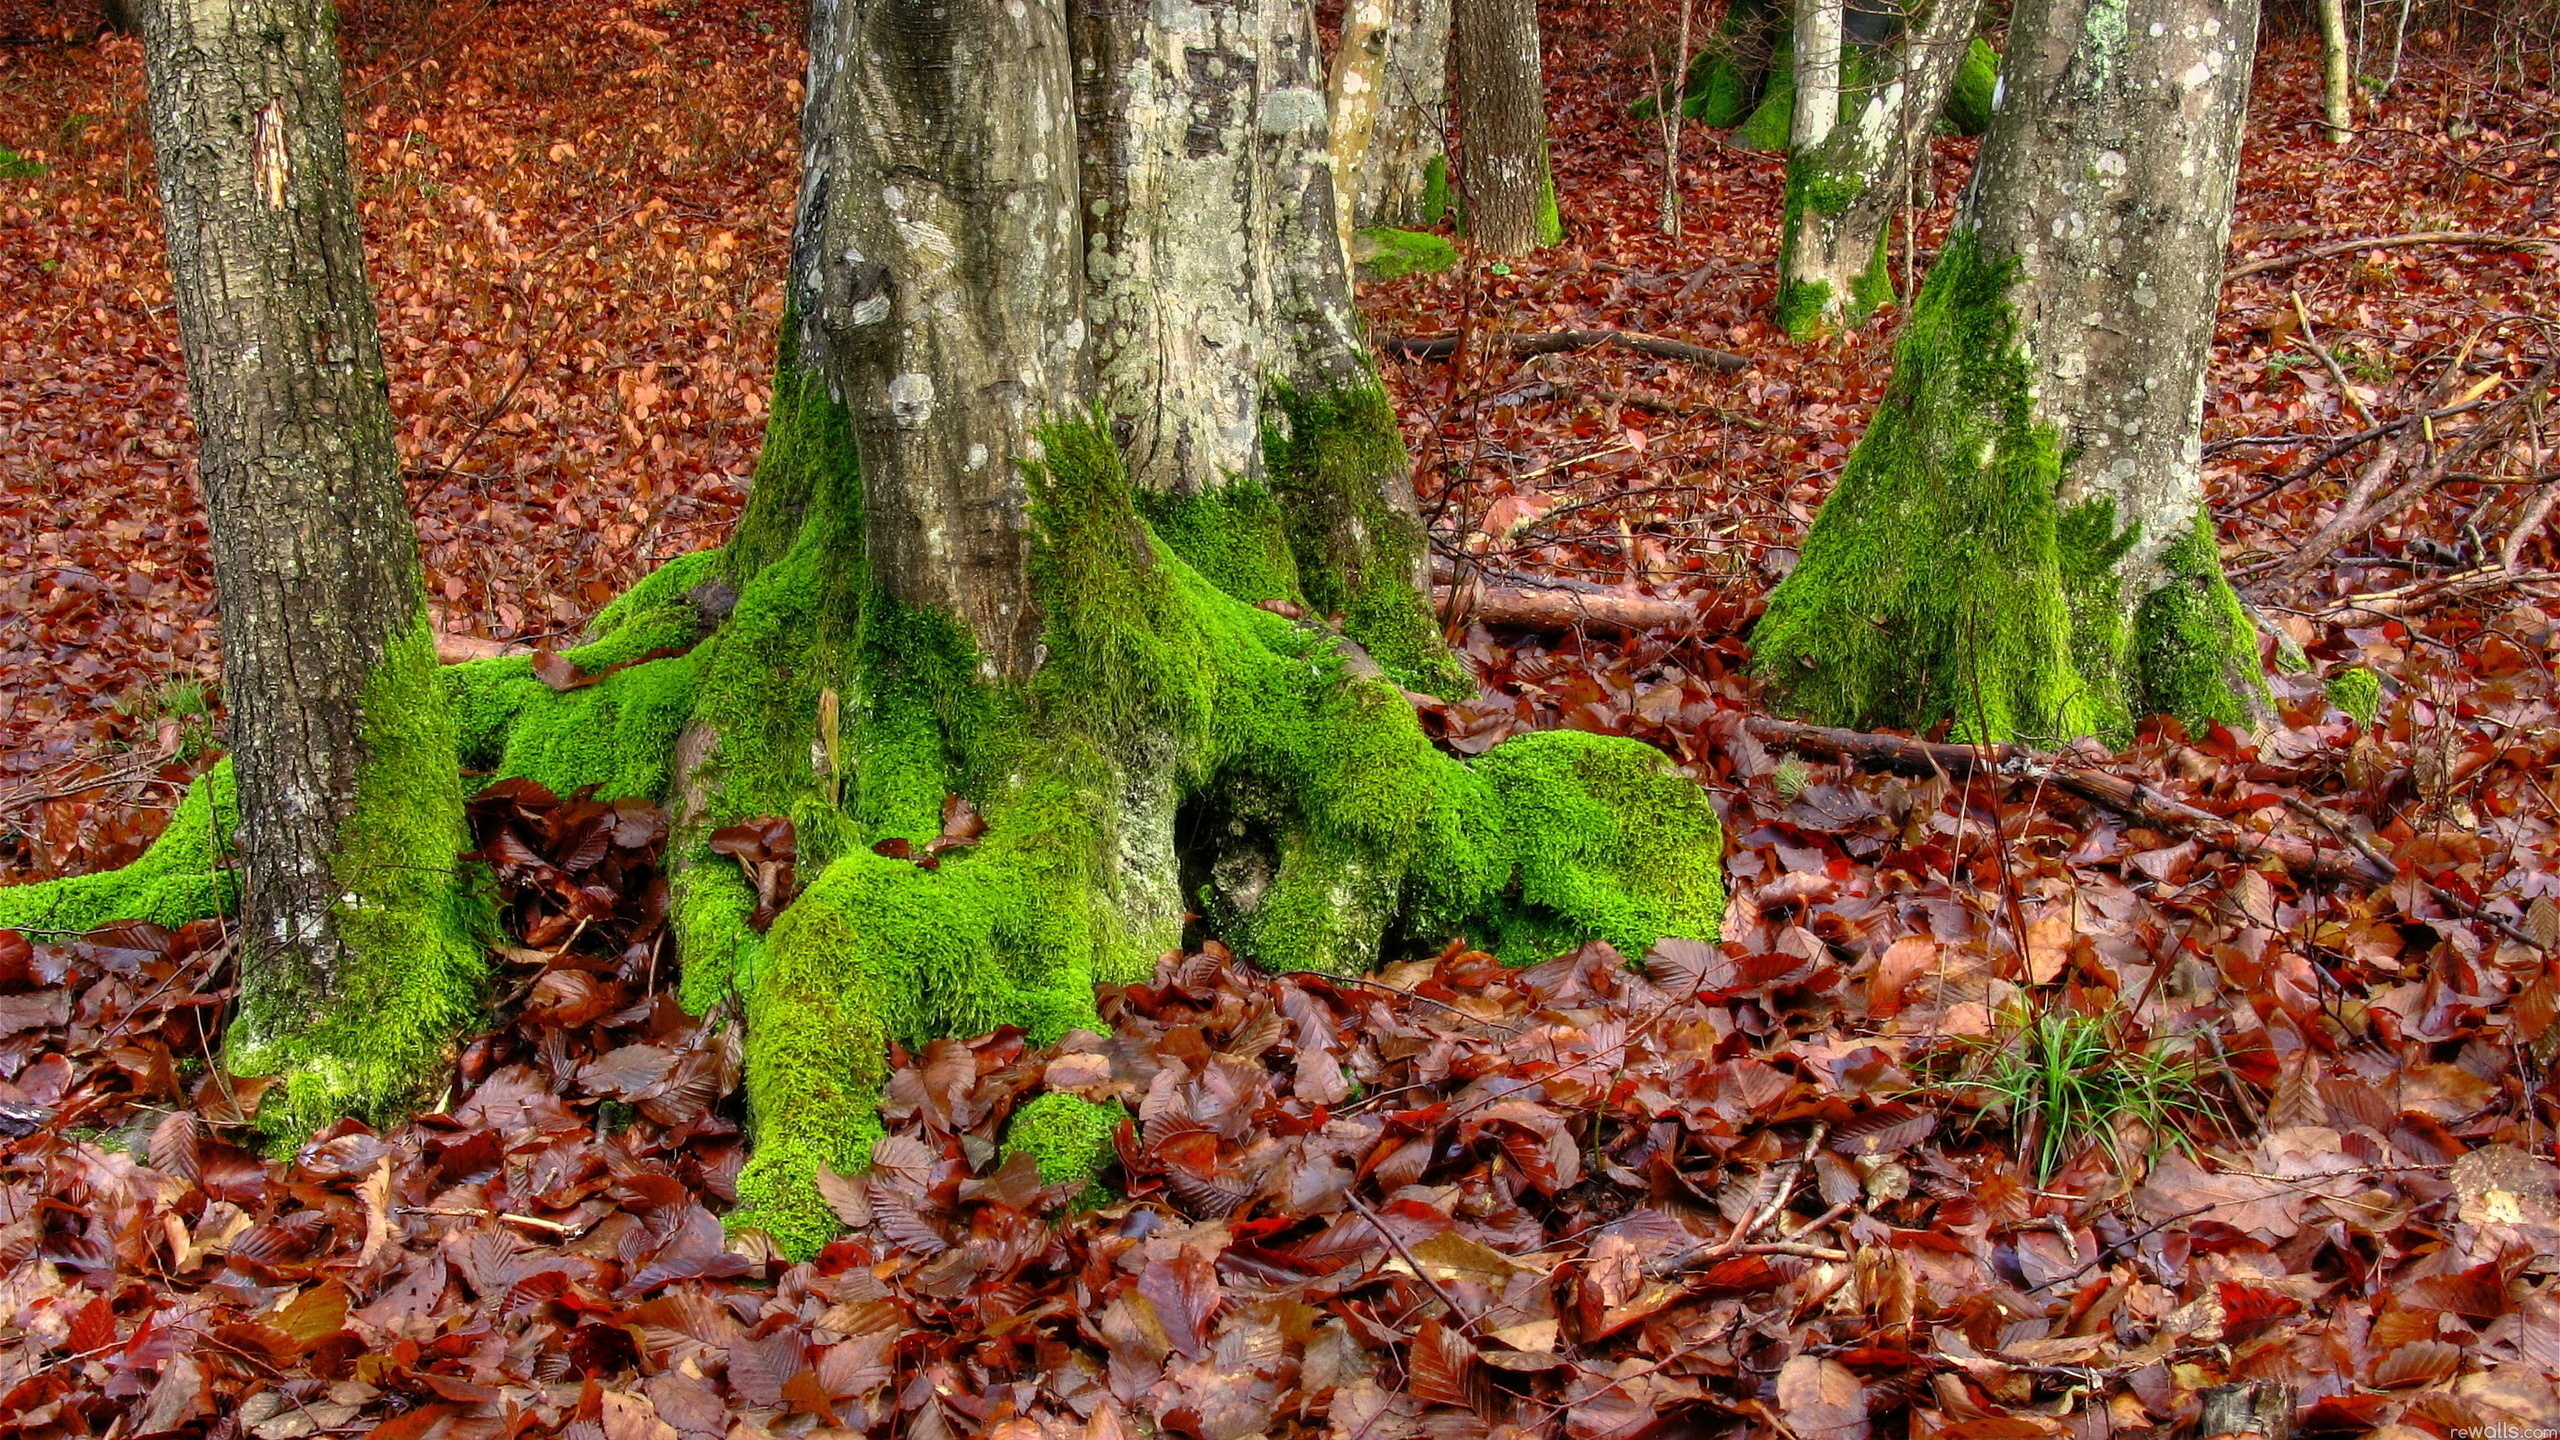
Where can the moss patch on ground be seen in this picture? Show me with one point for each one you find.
(1386, 253)
(184, 876)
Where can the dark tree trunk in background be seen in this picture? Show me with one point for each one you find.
(117, 15)
(1502, 121)
(1852, 157)
(350, 809)
(2020, 542)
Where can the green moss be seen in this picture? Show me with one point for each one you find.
(1550, 217)
(1437, 197)
(1771, 122)
(1391, 254)
(184, 876)
(1153, 670)
(2357, 691)
(1610, 842)
(1233, 535)
(1331, 464)
(1944, 581)
(2195, 651)
(1070, 1137)
(1968, 108)
(411, 921)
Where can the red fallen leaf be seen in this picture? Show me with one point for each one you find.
(2247, 1309)
(2419, 1362)
(961, 822)
(555, 669)
(1183, 1289)
(896, 847)
(1888, 1129)
(1822, 1399)
(1443, 1370)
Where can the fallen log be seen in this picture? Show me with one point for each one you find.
(1557, 611)
(2127, 797)
(2336, 248)
(1435, 347)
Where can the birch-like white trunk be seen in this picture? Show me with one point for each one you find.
(1845, 184)
(1395, 183)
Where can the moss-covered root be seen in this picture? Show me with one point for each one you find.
(879, 950)
(1335, 461)
(182, 877)
(1386, 253)
(412, 922)
(1945, 580)
(1609, 842)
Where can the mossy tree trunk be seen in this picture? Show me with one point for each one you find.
(1852, 155)
(2337, 107)
(1508, 187)
(1159, 655)
(349, 803)
(1403, 179)
(2019, 544)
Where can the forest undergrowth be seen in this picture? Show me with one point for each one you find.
(1819, 1177)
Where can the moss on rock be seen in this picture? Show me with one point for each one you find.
(2357, 691)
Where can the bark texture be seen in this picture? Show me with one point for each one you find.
(1403, 180)
(1852, 163)
(1502, 117)
(2337, 109)
(350, 814)
(941, 257)
(2019, 543)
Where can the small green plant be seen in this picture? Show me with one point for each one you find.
(2357, 691)
(14, 166)
(1791, 779)
(2285, 362)
(2370, 366)
(2066, 1080)
(182, 698)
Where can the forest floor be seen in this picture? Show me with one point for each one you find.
(1789, 1181)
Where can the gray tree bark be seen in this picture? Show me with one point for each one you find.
(937, 273)
(2337, 109)
(1403, 179)
(2020, 542)
(328, 668)
(1845, 179)
(1502, 121)
(2108, 177)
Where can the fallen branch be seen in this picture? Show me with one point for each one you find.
(1436, 347)
(2406, 600)
(1558, 610)
(2384, 242)
(2126, 797)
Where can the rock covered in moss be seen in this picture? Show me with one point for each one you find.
(2357, 691)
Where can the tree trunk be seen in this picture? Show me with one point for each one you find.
(979, 565)
(2019, 544)
(2336, 108)
(1403, 180)
(1354, 96)
(1509, 189)
(355, 967)
(1846, 178)
(1817, 95)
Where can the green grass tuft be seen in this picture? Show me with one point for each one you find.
(2065, 1081)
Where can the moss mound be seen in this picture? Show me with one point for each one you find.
(1386, 253)
(1069, 1137)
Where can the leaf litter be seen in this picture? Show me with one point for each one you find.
(1755, 1183)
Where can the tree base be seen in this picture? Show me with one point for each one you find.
(1946, 580)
